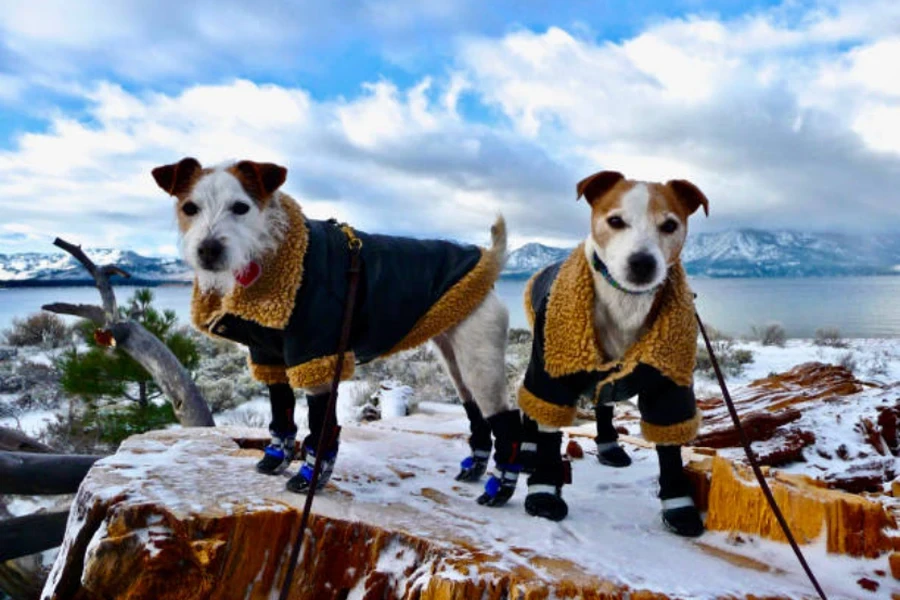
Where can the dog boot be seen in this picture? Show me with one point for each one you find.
(507, 429)
(473, 466)
(612, 454)
(551, 472)
(302, 481)
(278, 455)
(679, 514)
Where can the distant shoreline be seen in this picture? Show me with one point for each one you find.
(153, 283)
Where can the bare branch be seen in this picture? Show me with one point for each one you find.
(86, 311)
(110, 270)
(16, 441)
(39, 474)
(100, 279)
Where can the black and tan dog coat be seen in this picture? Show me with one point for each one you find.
(290, 317)
(567, 361)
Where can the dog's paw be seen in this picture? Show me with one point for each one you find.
(681, 517)
(546, 505)
(497, 491)
(472, 468)
(613, 456)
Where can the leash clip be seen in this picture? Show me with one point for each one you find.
(353, 242)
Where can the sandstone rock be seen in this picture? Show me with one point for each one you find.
(181, 514)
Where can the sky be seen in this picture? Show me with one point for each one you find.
(428, 118)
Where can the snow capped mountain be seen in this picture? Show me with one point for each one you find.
(532, 257)
(737, 253)
(756, 253)
(38, 268)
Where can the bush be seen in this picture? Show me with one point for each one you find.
(848, 361)
(40, 329)
(519, 336)
(772, 334)
(731, 359)
(829, 336)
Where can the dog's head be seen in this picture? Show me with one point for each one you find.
(227, 215)
(638, 228)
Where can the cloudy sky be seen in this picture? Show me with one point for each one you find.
(428, 118)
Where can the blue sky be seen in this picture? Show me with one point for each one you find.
(428, 118)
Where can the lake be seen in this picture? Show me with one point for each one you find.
(861, 307)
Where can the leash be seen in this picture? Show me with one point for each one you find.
(754, 464)
(326, 437)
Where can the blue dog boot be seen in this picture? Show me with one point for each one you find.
(473, 467)
(302, 481)
(501, 486)
(278, 455)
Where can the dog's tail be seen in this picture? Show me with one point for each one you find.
(498, 240)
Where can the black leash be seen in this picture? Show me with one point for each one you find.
(326, 436)
(754, 464)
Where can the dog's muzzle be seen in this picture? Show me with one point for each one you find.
(210, 254)
(641, 268)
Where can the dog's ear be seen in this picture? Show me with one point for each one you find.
(689, 195)
(176, 178)
(594, 186)
(260, 179)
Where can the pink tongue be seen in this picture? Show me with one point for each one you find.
(249, 274)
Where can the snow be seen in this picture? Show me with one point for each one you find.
(398, 474)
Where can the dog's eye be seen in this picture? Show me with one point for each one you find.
(190, 209)
(240, 208)
(669, 226)
(616, 223)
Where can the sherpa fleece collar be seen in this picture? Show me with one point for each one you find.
(269, 301)
(570, 346)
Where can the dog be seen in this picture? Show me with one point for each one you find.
(613, 320)
(273, 280)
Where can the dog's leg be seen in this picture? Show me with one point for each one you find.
(548, 472)
(317, 410)
(678, 511)
(280, 452)
(479, 346)
(474, 466)
(609, 452)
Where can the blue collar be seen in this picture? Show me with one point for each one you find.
(601, 268)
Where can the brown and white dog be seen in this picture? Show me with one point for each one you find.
(613, 320)
(273, 280)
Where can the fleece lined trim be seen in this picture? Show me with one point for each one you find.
(268, 374)
(678, 434)
(570, 346)
(320, 371)
(270, 300)
(545, 413)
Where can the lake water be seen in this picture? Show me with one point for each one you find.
(861, 307)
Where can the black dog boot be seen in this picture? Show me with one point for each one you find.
(474, 466)
(278, 455)
(544, 497)
(679, 514)
(302, 481)
(612, 454)
(507, 429)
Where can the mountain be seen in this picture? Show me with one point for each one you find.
(757, 253)
(736, 253)
(34, 268)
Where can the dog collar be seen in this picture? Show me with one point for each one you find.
(249, 274)
(601, 268)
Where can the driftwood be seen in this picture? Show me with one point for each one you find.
(16, 441)
(31, 534)
(22, 579)
(42, 474)
(171, 377)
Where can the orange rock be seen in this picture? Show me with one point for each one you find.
(894, 562)
(851, 524)
(574, 450)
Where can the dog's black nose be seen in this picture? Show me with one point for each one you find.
(210, 252)
(641, 268)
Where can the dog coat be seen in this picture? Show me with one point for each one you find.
(567, 361)
(289, 311)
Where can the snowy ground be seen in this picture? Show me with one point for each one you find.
(398, 474)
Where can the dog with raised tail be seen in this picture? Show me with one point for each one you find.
(274, 280)
(615, 320)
